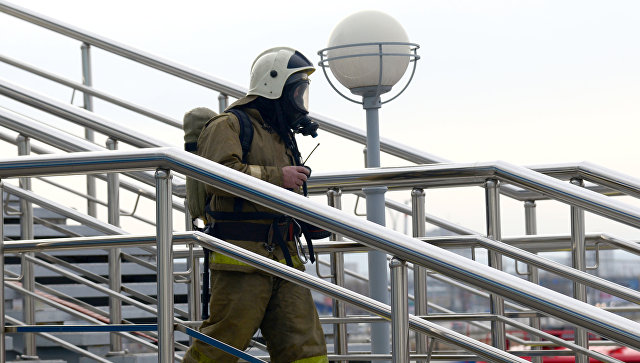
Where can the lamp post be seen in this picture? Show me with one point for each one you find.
(368, 53)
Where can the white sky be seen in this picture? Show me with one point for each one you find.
(528, 82)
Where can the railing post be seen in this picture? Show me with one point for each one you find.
(193, 265)
(531, 228)
(340, 343)
(223, 102)
(419, 272)
(28, 278)
(164, 231)
(496, 303)
(578, 258)
(3, 349)
(115, 271)
(399, 311)
(85, 49)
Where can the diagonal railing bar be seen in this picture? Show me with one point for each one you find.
(62, 342)
(64, 211)
(99, 279)
(96, 200)
(559, 341)
(71, 143)
(92, 285)
(65, 231)
(78, 115)
(93, 92)
(125, 51)
(125, 184)
(81, 304)
(75, 313)
(69, 213)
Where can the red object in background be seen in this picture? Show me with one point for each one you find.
(624, 354)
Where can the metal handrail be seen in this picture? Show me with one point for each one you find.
(53, 261)
(459, 174)
(64, 343)
(139, 189)
(594, 173)
(92, 91)
(373, 235)
(67, 142)
(64, 211)
(78, 115)
(72, 312)
(125, 51)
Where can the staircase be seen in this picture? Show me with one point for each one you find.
(76, 296)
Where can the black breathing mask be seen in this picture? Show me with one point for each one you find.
(296, 110)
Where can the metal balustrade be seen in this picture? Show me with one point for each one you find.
(409, 249)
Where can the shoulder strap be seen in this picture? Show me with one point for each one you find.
(246, 131)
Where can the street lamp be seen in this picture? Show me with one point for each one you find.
(368, 53)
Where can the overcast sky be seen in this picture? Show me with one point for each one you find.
(528, 82)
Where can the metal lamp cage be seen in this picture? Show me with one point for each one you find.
(413, 55)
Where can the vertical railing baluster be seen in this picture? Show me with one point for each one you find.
(419, 272)
(578, 258)
(531, 228)
(193, 265)
(496, 302)
(28, 278)
(340, 343)
(399, 311)
(115, 266)
(164, 231)
(87, 80)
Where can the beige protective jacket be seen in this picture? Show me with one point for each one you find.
(220, 142)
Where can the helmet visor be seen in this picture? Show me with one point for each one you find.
(300, 96)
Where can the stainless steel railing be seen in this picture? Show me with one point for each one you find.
(70, 143)
(375, 236)
(476, 174)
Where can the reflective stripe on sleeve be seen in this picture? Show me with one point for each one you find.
(318, 359)
(255, 171)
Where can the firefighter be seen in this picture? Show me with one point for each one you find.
(244, 299)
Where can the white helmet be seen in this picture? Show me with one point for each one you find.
(273, 67)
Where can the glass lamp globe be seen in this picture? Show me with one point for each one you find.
(360, 72)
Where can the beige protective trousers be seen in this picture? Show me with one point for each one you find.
(243, 302)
